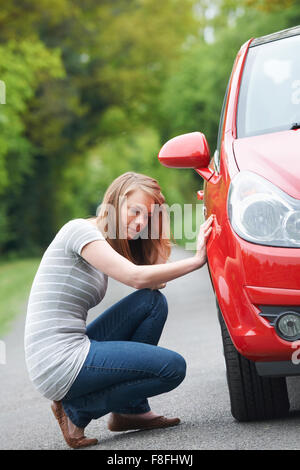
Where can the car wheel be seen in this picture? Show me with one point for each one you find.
(252, 397)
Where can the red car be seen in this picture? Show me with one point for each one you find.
(252, 185)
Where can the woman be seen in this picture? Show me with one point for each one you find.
(113, 364)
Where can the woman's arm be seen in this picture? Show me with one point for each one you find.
(160, 260)
(102, 256)
(157, 275)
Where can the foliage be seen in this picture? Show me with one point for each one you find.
(94, 88)
(16, 277)
(113, 156)
(23, 67)
(115, 55)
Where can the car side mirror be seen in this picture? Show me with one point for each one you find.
(185, 151)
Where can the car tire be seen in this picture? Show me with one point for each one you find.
(252, 397)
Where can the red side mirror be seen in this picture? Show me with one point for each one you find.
(185, 151)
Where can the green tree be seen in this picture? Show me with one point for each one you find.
(23, 67)
(116, 56)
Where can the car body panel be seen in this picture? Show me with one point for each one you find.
(274, 156)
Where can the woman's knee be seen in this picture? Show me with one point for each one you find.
(180, 367)
(160, 302)
(157, 301)
(174, 369)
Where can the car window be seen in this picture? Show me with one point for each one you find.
(269, 96)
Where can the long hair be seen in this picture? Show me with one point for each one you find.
(145, 249)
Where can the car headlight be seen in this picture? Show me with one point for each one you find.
(262, 213)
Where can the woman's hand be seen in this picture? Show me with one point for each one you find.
(204, 232)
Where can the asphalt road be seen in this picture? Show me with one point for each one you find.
(201, 400)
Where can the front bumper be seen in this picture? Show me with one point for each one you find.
(246, 279)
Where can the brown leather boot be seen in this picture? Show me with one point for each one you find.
(62, 419)
(117, 423)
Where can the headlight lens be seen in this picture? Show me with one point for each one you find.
(262, 213)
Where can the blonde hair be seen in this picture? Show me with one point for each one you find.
(140, 250)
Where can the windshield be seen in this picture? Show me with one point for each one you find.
(269, 98)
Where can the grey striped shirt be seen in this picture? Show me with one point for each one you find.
(64, 288)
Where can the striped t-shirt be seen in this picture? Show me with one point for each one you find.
(64, 288)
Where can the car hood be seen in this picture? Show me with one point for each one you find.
(274, 156)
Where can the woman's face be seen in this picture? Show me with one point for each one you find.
(135, 211)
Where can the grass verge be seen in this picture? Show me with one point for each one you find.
(16, 278)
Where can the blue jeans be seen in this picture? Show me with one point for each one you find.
(124, 365)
